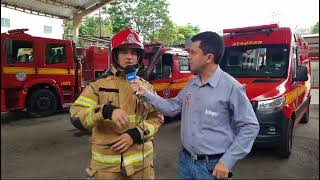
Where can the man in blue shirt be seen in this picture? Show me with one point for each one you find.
(218, 124)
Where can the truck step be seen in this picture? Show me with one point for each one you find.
(67, 92)
(66, 105)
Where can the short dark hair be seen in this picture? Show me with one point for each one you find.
(210, 42)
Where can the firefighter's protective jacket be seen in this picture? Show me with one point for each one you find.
(115, 90)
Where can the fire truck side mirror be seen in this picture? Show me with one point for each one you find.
(8, 46)
(301, 74)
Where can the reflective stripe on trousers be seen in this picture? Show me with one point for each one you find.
(111, 159)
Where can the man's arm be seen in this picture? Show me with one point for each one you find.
(247, 127)
(169, 107)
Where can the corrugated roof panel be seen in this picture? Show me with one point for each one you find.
(59, 8)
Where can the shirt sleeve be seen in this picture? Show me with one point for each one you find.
(246, 124)
(169, 107)
(154, 120)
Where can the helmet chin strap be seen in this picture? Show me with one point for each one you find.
(120, 68)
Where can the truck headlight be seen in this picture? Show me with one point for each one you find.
(272, 104)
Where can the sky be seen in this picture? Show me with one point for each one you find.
(215, 15)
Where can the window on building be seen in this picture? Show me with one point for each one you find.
(47, 29)
(5, 22)
(19, 51)
(56, 54)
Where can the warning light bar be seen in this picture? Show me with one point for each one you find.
(153, 43)
(251, 29)
(18, 31)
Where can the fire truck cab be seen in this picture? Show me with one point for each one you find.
(166, 68)
(272, 64)
(95, 60)
(37, 74)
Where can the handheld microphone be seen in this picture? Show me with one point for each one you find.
(131, 73)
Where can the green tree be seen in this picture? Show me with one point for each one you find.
(90, 26)
(166, 34)
(144, 16)
(315, 28)
(186, 32)
(120, 13)
(149, 18)
(173, 34)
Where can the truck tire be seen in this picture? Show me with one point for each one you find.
(286, 140)
(42, 103)
(305, 118)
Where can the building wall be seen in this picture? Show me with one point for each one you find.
(315, 74)
(38, 25)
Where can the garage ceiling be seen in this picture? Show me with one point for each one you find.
(64, 9)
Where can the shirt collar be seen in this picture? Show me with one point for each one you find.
(213, 80)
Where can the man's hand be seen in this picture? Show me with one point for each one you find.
(120, 117)
(220, 171)
(122, 143)
(137, 86)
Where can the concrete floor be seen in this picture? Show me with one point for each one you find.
(51, 148)
(315, 96)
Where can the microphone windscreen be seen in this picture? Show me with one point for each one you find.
(131, 73)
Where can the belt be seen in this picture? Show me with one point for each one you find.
(202, 157)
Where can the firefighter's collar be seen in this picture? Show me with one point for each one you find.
(118, 72)
(115, 71)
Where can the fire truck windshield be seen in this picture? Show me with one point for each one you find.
(256, 61)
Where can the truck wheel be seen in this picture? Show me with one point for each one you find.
(42, 103)
(305, 118)
(286, 141)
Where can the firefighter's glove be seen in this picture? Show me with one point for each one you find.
(118, 116)
(135, 135)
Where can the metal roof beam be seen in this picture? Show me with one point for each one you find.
(76, 20)
(92, 8)
(59, 4)
(33, 11)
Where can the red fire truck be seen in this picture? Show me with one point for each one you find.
(272, 64)
(313, 44)
(37, 74)
(166, 68)
(44, 75)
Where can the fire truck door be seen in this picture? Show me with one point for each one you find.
(161, 76)
(19, 64)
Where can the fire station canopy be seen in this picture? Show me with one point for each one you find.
(73, 10)
(63, 9)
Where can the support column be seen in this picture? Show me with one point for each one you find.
(76, 22)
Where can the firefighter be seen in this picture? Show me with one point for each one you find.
(122, 125)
